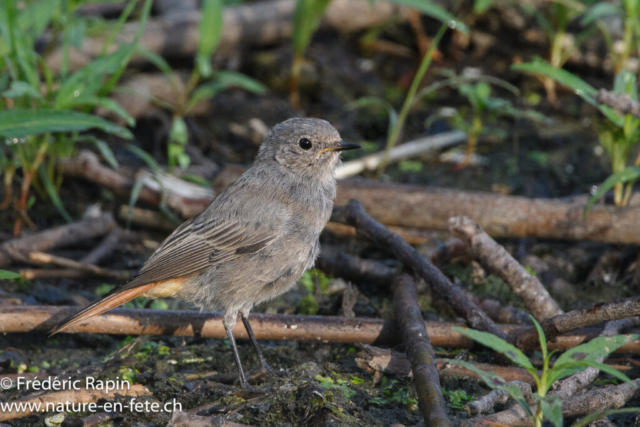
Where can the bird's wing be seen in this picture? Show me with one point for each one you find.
(200, 244)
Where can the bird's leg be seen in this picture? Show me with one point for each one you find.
(228, 326)
(254, 341)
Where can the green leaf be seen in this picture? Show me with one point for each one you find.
(178, 131)
(595, 349)
(223, 80)
(9, 275)
(581, 88)
(19, 89)
(146, 157)
(494, 381)
(499, 345)
(18, 123)
(625, 82)
(601, 414)
(559, 372)
(133, 198)
(598, 11)
(52, 191)
(86, 82)
(552, 409)
(107, 153)
(210, 34)
(481, 6)
(435, 11)
(629, 174)
(306, 19)
(541, 337)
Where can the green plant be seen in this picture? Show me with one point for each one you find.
(307, 18)
(340, 384)
(568, 363)
(629, 12)
(39, 120)
(204, 83)
(617, 133)
(392, 393)
(477, 90)
(554, 18)
(457, 398)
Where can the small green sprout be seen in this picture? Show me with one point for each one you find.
(568, 363)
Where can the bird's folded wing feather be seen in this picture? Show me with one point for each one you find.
(196, 245)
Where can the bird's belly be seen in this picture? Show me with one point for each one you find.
(252, 279)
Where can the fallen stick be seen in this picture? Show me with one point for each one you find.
(44, 258)
(420, 146)
(256, 24)
(500, 262)
(354, 214)
(576, 319)
(426, 208)
(67, 397)
(395, 363)
(496, 396)
(58, 273)
(419, 351)
(64, 235)
(184, 197)
(355, 269)
(620, 102)
(104, 249)
(417, 208)
(20, 319)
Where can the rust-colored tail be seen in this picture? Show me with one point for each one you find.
(111, 300)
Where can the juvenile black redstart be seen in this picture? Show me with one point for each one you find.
(254, 241)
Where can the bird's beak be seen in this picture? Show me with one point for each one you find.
(342, 146)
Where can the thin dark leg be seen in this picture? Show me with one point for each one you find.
(236, 355)
(254, 343)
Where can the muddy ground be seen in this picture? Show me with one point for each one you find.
(321, 384)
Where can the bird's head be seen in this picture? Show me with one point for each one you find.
(306, 147)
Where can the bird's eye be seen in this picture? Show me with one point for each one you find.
(305, 144)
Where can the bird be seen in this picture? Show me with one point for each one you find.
(253, 241)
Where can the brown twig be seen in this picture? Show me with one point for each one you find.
(428, 208)
(64, 235)
(266, 326)
(620, 102)
(396, 363)
(576, 319)
(419, 350)
(500, 262)
(69, 396)
(58, 273)
(354, 214)
(498, 396)
(498, 311)
(104, 249)
(44, 258)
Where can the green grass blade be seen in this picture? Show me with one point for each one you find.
(583, 89)
(499, 345)
(9, 275)
(133, 198)
(52, 191)
(18, 123)
(146, 157)
(595, 349)
(629, 174)
(210, 34)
